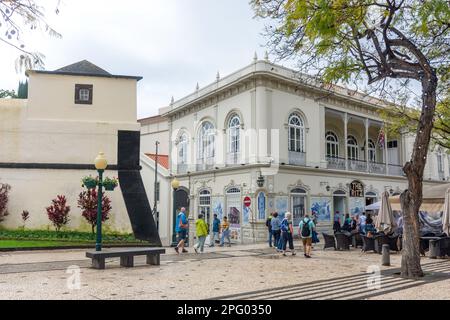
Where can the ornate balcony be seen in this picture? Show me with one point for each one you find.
(395, 170)
(182, 168)
(377, 167)
(297, 158)
(335, 163)
(233, 159)
(357, 165)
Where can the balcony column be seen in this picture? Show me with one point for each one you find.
(366, 150)
(345, 139)
(386, 149)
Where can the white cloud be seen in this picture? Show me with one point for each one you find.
(173, 44)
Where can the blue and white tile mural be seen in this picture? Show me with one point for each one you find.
(246, 215)
(281, 205)
(356, 205)
(217, 205)
(322, 207)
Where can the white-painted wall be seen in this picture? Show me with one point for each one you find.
(50, 128)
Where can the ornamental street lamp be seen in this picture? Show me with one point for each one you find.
(100, 164)
(175, 185)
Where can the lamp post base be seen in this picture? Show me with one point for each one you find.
(98, 247)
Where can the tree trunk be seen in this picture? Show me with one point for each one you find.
(411, 199)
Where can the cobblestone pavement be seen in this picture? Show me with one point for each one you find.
(239, 272)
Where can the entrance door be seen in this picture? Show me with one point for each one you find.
(298, 203)
(234, 206)
(339, 208)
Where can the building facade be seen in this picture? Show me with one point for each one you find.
(49, 142)
(288, 143)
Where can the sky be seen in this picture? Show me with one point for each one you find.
(172, 44)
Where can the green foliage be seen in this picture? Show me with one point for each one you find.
(400, 118)
(7, 94)
(338, 39)
(48, 235)
(17, 16)
(22, 91)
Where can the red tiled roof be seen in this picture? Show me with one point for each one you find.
(163, 159)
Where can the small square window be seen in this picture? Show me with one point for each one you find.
(83, 93)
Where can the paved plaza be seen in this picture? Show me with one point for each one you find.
(240, 272)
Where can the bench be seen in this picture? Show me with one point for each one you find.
(126, 256)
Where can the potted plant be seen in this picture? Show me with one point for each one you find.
(110, 183)
(89, 182)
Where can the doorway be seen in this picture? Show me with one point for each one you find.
(339, 207)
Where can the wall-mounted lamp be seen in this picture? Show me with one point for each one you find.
(260, 180)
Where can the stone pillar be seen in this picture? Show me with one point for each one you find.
(345, 139)
(366, 150)
(386, 150)
(322, 124)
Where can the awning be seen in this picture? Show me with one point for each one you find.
(433, 199)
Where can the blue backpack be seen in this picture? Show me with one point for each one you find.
(284, 225)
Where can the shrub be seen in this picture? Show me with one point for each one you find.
(89, 182)
(4, 190)
(110, 183)
(25, 216)
(58, 212)
(87, 201)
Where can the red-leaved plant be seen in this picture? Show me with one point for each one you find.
(25, 216)
(4, 190)
(87, 201)
(58, 212)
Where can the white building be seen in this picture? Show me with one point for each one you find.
(307, 142)
(48, 144)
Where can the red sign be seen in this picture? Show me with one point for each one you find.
(247, 201)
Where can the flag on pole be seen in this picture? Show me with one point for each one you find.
(381, 139)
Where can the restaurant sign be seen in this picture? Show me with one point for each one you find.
(356, 189)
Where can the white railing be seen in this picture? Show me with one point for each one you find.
(297, 158)
(335, 163)
(376, 167)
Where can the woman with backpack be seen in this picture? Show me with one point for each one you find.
(286, 233)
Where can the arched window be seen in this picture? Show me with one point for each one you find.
(261, 205)
(182, 149)
(234, 134)
(206, 147)
(372, 151)
(233, 198)
(352, 148)
(296, 133)
(204, 205)
(332, 144)
(298, 205)
(440, 161)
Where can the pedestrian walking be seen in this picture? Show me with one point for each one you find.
(276, 223)
(181, 229)
(201, 231)
(305, 230)
(215, 230)
(286, 234)
(225, 232)
(269, 229)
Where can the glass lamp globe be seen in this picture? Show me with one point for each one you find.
(175, 183)
(100, 161)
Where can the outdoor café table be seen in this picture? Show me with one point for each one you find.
(434, 249)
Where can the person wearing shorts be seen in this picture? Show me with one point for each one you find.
(181, 229)
(305, 230)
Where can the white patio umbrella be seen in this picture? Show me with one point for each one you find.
(374, 206)
(385, 220)
(446, 214)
